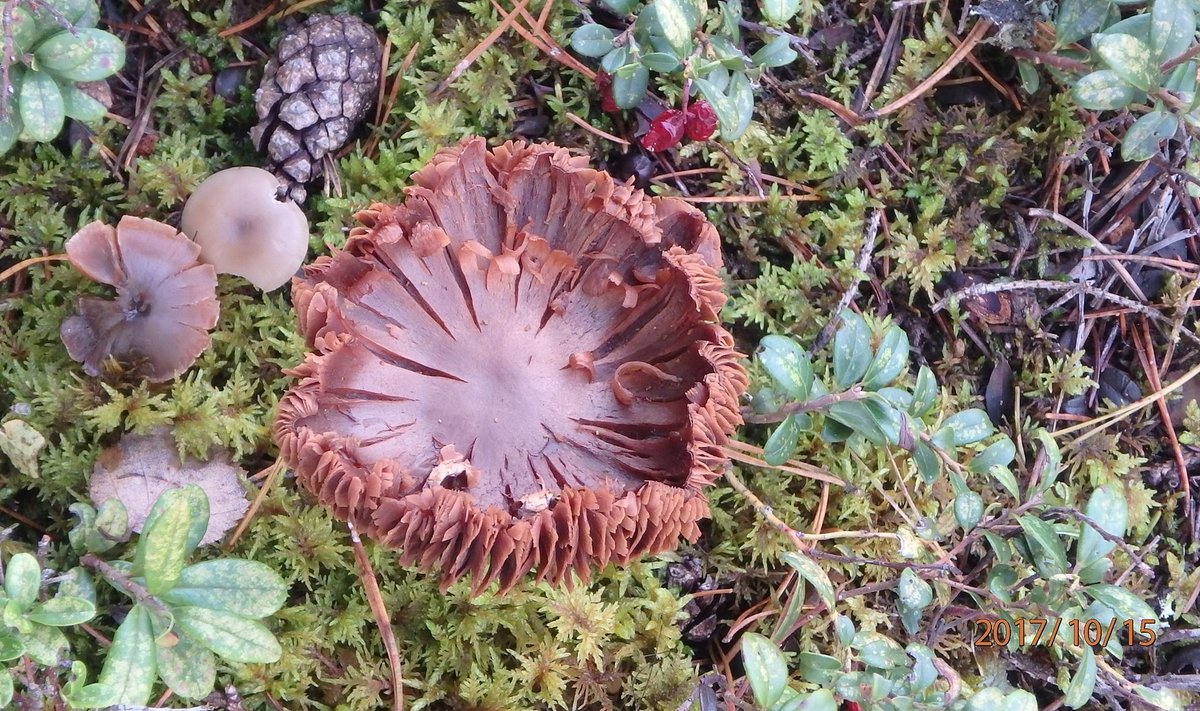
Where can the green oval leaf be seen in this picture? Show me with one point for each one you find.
(241, 587)
(781, 445)
(1044, 545)
(675, 20)
(1103, 91)
(812, 573)
(10, 646)
(788, 364)
(188, 669)
(198, 515)
(1108, 508)
(778, 12)
(88, 55)
(1077, 19)
(1124, 604)
(851, 350)
(929, 465)
(62, 611)
(1129, 57)
(1173, 26)
(766, 669)
(592, 40)
(229, 636)
(81, 107)
(1083, 683)
(818, 668)
(629, 88)
(660, 61)
(776, 53)
(914, 596)
(41, 106)
(891, 359)
(1142, 139)
(967, 427)
(968, 509)
(22, 579)
(45, 645)
(741, 93)
(925, 393)
(130, 665)
(997, 454)
(164, 545)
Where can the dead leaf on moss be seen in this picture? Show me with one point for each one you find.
(21, 444)
(140, 468)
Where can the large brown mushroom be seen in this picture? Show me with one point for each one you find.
(519, 368)
(165, 305)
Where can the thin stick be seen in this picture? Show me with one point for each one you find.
(1045, 284)
(273, 474)
(582, 123)
(741, 454)
(479, 49)
(861, 265)
(25, 264)
(247, 24)
(375, 599)
(1102, 422)
(968, 44)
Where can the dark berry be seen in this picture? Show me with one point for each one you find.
(604, 86)
(666, 130)
(701, 121)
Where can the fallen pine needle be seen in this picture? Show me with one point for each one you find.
(593, 130)
(375, 599)
(272, 473)
(25, 264)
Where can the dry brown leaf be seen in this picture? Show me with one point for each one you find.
(141, 467)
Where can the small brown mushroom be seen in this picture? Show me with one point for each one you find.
(245, 227)
(165, 305)
(519, 368)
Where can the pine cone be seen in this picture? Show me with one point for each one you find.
(314, 91)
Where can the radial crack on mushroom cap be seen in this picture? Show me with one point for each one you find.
(165, 305)
(518, 368)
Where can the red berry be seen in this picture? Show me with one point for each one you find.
(666, 130)
(701, 121)
(604, 86)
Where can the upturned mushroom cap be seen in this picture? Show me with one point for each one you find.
(245, 228)
(519, 368)
(165, 305)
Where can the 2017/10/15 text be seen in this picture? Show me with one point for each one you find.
(1088, 632)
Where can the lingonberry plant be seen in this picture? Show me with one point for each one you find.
(634, 41)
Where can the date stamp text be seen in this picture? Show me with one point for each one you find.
(1085, 632)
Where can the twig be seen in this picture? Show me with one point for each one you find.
(26, 263)
(247, 24)
(379, 610)
(1102, 422)
(273, 473)
(582, 123)
(479, 49)
(793, 408)
(860, 265)
(741, 452)
(973, 37)
(1045, 284)
(126, 584)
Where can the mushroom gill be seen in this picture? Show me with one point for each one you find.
(518, 368)
(165, 305)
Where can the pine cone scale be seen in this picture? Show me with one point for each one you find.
(318, 87)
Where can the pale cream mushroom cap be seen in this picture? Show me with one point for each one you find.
(243, 228)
